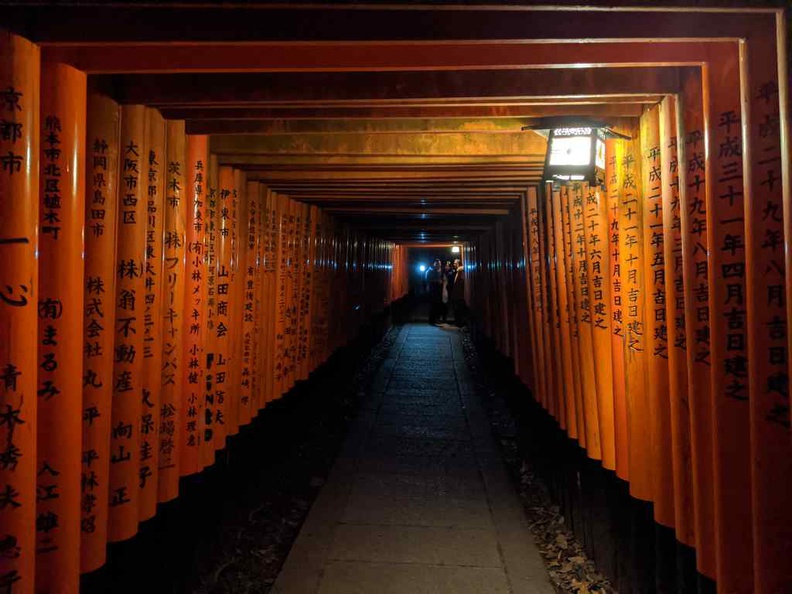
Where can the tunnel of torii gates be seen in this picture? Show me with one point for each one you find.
(198, 204)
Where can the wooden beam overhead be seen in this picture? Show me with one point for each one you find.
(453, 125)
(528, 144)
(200, 117)
(372, 88)
(168, 57)
(58, 24)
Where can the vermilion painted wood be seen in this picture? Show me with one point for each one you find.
(153, 181)
(20, 71)
(101, 213)
(237, 411)
(251, 233)
(223, 326)
(574, 316)
(174, 282)
(210, 404)
(580, 273)
(555, 396)
(194, 347)
(675, 323)
(614, 181)
(692, 173)
(631, 255)
(598, 251)
(128, 370)
(765, 86)
(567, 404)
(61, 301)
(656, 319)
(725, 219)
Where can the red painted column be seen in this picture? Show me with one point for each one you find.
(101, 214)
(675, 314)
(239, 409)
(152, 322)
(129, 327)
(693, 211)
(19, 213)
(60, 312)
(210, 408)
(223, 327)
(656, 327)
(194, 308)
(173, 313)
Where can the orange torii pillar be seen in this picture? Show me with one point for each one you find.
(566, 406)
(725, 221)
(768, 152)
(101, 210)
(129, 328)
(598, 247)
(19, 213)
(656, 328)
(633, 285)
(173, 313)
(570, 258)
(613, 181)
(675, 322)
(239, 408)
(585, 325)
(258, 304)
(194, 308)
(223, 319)
(210, 411)
(279, 345)
(154, 160)
(250, 244)
(693, 211)
(269, 253)
(60, 312)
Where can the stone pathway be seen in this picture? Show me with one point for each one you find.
(419, 501)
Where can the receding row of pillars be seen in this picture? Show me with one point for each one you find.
(151, 303)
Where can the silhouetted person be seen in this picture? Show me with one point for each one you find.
(434, 278)
(448, 283)
(457, 294)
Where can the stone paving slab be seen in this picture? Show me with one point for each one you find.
(439, 512)
(355, 577)
(404, 486)
(419, 500)
(475, 547)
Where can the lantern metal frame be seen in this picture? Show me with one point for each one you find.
(558, 130)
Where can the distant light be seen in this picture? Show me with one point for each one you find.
(422, 268)
(455, 249)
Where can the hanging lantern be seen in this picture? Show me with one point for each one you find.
(575, 149)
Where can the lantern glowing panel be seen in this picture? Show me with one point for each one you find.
(576, 154)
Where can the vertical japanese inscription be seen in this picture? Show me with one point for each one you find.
(675, 325)
(60, 328)
(173, 313)
(154, 182)
(194, 310)
(598, 248)
(222, 309)
(129, 329)
(656, 318)
(211, 224)
(101, 209)
(578, 197)
(613, 180)
(248, 383)
(631, 255)
(768, 311)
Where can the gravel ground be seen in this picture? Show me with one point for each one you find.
(571, 571)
